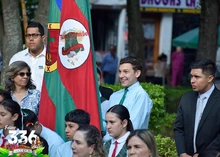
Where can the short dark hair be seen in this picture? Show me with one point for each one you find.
(134, 61)
(208, 66)
(38, 25)
(78, 116)
(122, 113)
(5, 94)
(162, 56)
(29, 119)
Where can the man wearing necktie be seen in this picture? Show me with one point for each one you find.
(197, 125)
(133, 96)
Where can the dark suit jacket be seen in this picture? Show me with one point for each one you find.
(106, 92)
(208, 133)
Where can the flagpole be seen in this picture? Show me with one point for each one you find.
(24, 15)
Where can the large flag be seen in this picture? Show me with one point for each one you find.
(70, 74)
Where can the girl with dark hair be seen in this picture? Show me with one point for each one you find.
(18, 81)
(118, 125)
(10, 119)
(87, 142)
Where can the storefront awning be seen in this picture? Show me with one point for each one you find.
(190, 39)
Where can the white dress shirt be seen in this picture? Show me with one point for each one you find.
(121, 141)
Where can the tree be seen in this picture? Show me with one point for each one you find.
(208, 30)
(11, 32)
(135, 36)
(42, 13)
(10, 26)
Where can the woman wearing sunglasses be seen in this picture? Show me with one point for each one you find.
(18, 81)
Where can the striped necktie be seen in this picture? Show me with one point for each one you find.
(123, 97)
(198, 116)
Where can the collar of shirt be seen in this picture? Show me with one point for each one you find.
(208, 93)
(29, 91)
(121, 139)
(134, 86)
(43, 53)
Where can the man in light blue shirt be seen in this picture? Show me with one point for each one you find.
(74, 119)
(136, 99)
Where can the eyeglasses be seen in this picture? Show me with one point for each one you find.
(35, 36)
(23, 73)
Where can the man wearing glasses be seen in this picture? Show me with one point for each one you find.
(34, 55)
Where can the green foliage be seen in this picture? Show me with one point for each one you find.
(31, 6)
(161, 122)
(156, 93)
(166, 146)
(172, 97)
(166, 125)
(39, 151)
(3, 152)
(114, 87)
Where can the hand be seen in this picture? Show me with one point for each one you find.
(38, 128)
(195, 155)
(185, 155)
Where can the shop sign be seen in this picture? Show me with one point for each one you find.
(173, 4)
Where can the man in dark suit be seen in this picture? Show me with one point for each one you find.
(197, 125)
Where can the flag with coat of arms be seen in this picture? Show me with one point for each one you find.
(70, 74)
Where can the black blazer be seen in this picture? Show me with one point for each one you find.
(106, 92)
(208, 133)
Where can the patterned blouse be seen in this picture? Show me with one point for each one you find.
(30, 101)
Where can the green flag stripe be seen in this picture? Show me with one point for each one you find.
(54, 14)
(84, 7)
(59, 97)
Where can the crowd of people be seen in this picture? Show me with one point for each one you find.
(125, 113)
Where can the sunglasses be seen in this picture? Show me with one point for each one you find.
(23, 73)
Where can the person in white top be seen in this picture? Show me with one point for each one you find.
(34, 55)
(161, 70)
(118, 125)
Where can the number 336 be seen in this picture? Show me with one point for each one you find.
(23, 138)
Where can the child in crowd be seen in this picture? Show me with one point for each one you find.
(51, 140)
(118, 125)
(74, 119)
(10, 119)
